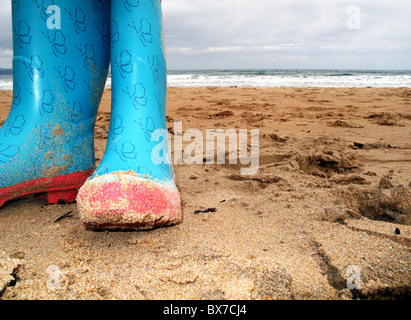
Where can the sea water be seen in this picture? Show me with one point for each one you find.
(289, 78)
(271, 78)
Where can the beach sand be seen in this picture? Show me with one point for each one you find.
(329, 208)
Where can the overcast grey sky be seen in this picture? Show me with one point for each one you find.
(254, 34)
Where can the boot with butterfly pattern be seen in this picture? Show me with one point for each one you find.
(61, 54)
(133, 186)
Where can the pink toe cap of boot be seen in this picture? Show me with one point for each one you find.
(120, 201)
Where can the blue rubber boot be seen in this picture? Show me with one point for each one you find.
(60, 64)
(133, 186)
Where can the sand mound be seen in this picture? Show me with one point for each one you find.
(326, 162)
(393, 205)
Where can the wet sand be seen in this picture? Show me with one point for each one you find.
(330, 204)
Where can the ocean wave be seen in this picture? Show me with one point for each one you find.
(289, 78)
(341, 75)
(273, 78)
(6, 85)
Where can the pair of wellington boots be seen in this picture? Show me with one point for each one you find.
(62, 52)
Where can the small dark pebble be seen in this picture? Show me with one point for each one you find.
(205, 211)
(397, 231)
(359, 145)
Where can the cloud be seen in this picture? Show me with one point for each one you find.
(223, 34)
(6, 43)
(287, 34)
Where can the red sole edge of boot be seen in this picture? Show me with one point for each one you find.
(61, 188)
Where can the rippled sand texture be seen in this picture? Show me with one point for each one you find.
(329, 204)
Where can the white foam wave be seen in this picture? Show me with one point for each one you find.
(250, 80)
(193, 80)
